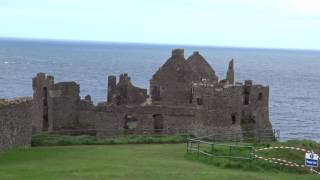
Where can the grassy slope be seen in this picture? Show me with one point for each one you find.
(119, 162)
(259, 165)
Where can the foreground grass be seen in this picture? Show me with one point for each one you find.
(153, 161)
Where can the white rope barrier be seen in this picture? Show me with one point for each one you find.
(316, 172)
(284, 162)
(283, 147)
(281, 162)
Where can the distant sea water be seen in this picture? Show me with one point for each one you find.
(293, 75)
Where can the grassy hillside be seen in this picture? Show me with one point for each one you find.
(287, 154)
(153, 161)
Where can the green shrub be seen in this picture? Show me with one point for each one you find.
(65, 140)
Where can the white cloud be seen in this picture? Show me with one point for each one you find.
(306, 6)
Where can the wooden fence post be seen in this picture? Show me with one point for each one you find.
(198, 147)
(188, 142)
(212, 151)
(230, 153)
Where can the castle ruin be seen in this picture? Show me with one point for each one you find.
(183, 94)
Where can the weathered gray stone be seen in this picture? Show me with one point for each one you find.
(15, 123)
(201, 71)
(124, 92)
(230, 73)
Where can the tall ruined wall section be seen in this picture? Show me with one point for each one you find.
(15, 123)
(255, 114)
(201, 71)
(124, 92)
(63, 107)
(86, 114)
(219, 108)
(170, 85)
(41, 85)
(57, 106)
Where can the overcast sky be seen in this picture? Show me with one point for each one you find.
(243, 23)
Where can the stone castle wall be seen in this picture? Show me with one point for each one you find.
(255, 114)
(143, 118)
(124, 92)
(41, 85)
(63, 106)
(219, 107)
(170, 85)
(15, 123)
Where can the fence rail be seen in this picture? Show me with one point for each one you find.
(243, 136)
(216, 150)
(214, 145)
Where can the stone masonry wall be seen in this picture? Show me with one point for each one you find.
(15, 123)
(143, 117)
(255, 115)
(218, 108)
(41, 85)
(63, 106)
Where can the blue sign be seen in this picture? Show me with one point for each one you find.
(312, 160)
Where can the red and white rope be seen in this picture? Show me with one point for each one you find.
(283, 147)
(316, 172)
(283, 162)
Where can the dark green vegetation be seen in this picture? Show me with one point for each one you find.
(219, 150)
(135, 161)
(65, 140)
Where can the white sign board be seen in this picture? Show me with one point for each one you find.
(312, 160)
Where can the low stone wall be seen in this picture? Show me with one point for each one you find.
(15, 123)
(112, 121)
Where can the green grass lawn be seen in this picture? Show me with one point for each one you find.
(137, 161)
(244, 150)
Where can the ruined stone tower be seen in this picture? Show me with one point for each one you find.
(112, 83)
(41, 85)
(55, 106)
(230, 73)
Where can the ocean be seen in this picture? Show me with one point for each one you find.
(293, 75)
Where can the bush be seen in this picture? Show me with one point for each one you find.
(65, 140)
